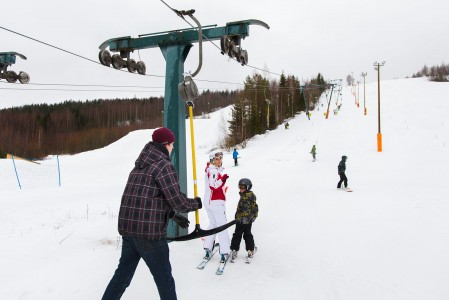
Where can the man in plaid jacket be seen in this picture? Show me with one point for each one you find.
(151, 197)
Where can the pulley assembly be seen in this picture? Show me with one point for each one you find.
(188, 89)
(7, 59)
(122, 60)
(231, 45)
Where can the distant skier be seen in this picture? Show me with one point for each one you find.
(287, 125)
(313, 152)
(341, 172)
(235, 156)
(246, 214)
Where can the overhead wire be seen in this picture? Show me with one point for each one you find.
(151, 75)
(96, 62)
(79, 90)
(182, 17)
(69, 52)
(91, 85)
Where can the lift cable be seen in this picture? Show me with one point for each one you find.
(182, 17)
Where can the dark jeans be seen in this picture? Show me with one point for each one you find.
(344, 179)
(156, 256)
(236, 163)
(245, 230)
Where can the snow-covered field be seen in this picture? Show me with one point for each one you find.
(387, 240)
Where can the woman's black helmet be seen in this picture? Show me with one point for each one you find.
(246, 182)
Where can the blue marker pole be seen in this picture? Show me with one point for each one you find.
(15, 170)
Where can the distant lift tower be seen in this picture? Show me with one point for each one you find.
(175, 46)
(7, 59)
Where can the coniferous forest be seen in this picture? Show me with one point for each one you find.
(264, 104)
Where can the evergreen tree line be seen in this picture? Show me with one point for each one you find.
(35, 131)
(435, 73)
(263, 105)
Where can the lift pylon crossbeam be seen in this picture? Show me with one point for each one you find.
(240, 28)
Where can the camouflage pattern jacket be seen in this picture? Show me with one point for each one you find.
(247, 209)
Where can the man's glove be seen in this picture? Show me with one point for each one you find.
(198, 200)
(225, 177)
(182, 222)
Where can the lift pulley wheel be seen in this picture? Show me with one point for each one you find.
(11, 76)
(224, 44)
(243, 57)
(105, 58)
(141, 68)
(117, 61)
(131, 65)
(188, 89)
(24, 77)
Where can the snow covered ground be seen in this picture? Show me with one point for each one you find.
(386, 240)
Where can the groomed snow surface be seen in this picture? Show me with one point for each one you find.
(389, 239)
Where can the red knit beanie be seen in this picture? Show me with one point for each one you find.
(163, 136)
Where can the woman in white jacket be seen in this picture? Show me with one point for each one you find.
(215, 204)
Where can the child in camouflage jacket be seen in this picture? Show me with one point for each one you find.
(246, 214)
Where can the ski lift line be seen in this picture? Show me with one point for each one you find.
(179, 14)
(149, 75)
(36, 40)
(91, 85)
(103, 85)
(69, 52)
(88, 59)
(80, 90)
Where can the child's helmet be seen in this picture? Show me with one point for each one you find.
(246, 182)
(344, 157)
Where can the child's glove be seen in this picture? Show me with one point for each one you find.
(225, 177)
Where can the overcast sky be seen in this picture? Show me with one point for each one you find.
(335, 38)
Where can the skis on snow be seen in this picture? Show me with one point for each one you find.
(222, 266)
(206, 259)
(223, 262)
(248, 258)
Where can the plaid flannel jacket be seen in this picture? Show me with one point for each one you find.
(151, 193)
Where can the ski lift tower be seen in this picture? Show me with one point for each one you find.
(175, 46)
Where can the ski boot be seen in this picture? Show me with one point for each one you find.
(234, 255)
(224, 258)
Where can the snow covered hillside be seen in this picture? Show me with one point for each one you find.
(386, 240)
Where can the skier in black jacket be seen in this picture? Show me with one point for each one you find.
(341, 172)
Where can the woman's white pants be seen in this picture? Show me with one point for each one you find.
(217, 217)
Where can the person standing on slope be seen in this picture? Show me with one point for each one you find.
(235, 156)
(313, 152)
(215, 204)
(341, 172)
(151, 196)
(246, 214)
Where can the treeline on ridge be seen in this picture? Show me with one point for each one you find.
(35, 131)
(435, 73)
